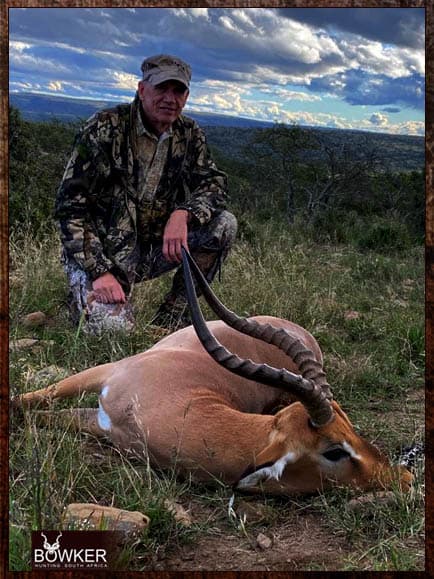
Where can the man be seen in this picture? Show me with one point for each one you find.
(140, 183)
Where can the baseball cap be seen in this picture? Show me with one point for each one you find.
(162, 67)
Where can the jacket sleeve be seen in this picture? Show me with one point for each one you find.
(85, 173)
(207, 185)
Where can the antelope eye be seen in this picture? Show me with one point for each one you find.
(335, 454)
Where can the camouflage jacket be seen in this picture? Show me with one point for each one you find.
(98, 203)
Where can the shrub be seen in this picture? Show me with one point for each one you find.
(37, 156)
(384, 234)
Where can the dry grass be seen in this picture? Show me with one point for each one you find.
(374, 361)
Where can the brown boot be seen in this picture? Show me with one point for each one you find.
(173, 314)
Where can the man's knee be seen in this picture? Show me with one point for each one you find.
(223, 229)
(231, 226)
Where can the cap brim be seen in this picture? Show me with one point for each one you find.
(158, 78)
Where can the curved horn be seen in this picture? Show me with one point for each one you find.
(310, 394)
(310, 368)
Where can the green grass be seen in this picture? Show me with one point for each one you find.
(381, 532)
(374, 360)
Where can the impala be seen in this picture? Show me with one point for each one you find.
(260, 419)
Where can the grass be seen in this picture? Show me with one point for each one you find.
(364, 307)
(381, 532)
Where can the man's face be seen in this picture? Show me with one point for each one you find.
(162, 103)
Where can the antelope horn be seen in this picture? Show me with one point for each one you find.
(309, 366)
(310, 394)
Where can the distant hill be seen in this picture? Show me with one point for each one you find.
(39, 107)
(231, 135)
(395, 152)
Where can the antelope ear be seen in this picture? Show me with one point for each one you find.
(270, 463)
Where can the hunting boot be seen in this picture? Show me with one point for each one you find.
(174, 313)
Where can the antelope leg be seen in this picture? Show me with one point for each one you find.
(76, 419)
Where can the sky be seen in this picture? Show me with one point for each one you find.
(349, 68)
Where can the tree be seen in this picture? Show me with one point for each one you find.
(313, 170)
(340, 172)
(21, 147)
(37, 156)
(276, 154)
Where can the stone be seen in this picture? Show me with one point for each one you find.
(34, 320)
(351, 315)
(263, 541)
(49, 374)
(93, 517)
(255, 512)
(370, 499)
(29, 344)
(179, 513)
(22, 344)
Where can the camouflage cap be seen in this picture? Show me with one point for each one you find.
(162, 67)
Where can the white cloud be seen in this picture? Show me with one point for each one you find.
(16, 86)
(55, 85)
(275, 38)
(379, 119)
(64, 46)
(199, 13)
(124, 80)
(17, 46)
(243, 17)
(375, 58)
(228, 23)
(22, 59)
(411, 128)
(288, 95)
(191, 13)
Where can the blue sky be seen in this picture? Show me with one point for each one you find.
(351, 68)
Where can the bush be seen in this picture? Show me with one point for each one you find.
(333, 226)
(38, 154)
(384, 234)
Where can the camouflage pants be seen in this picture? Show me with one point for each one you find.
(209, 244)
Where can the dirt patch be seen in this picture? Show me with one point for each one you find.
(296, 544)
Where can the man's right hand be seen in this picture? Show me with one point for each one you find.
(108, 290)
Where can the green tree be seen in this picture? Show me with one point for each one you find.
(38, 153)
(276, 156)
(312, 171)
(20, 151)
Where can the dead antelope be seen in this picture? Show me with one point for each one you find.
(213, 413)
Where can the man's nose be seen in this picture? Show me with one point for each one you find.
(170, 95)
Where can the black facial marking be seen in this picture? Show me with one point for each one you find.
(335, 454)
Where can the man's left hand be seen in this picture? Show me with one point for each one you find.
(175, 235)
